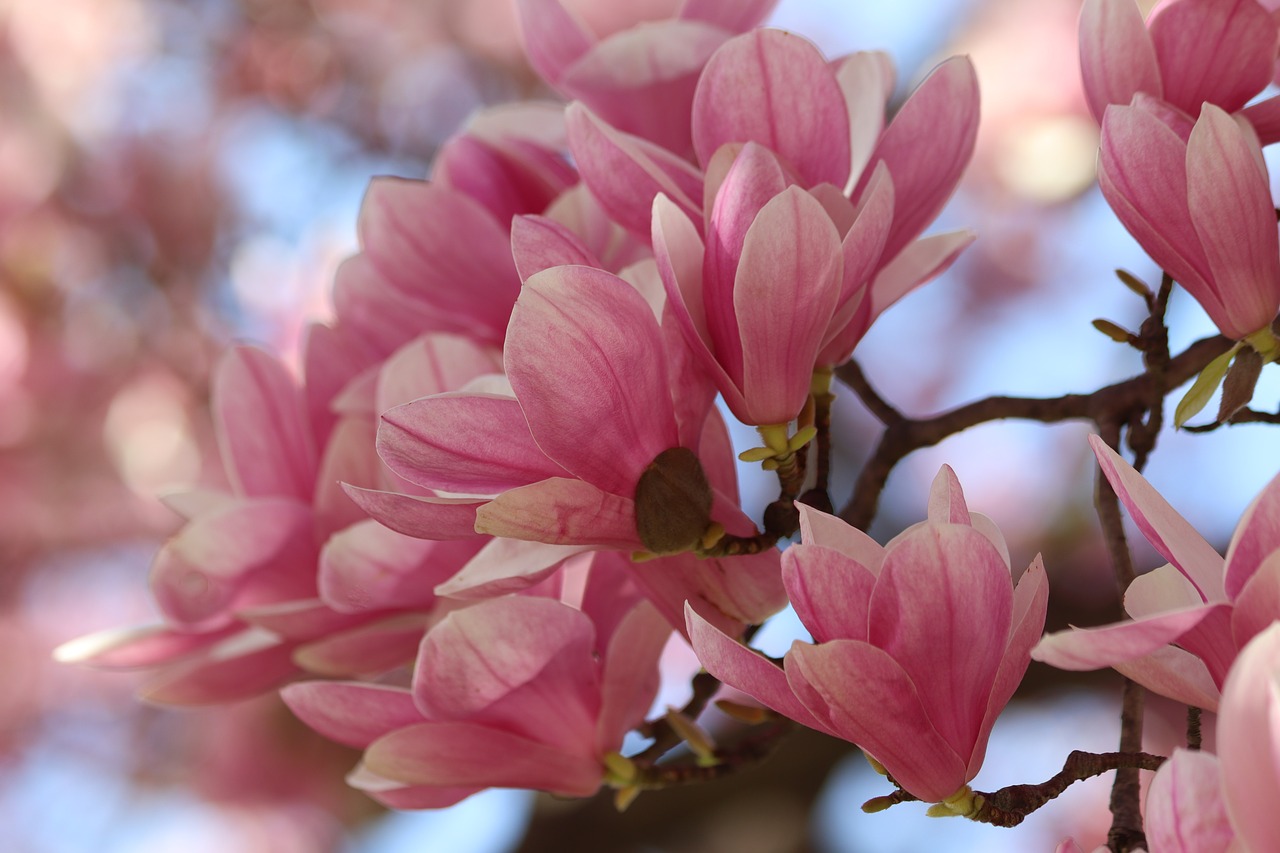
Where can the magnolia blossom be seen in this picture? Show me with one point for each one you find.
(1190, 52)
(918, 645)
(1204, 803)
(1201, 208)
(1206, 605)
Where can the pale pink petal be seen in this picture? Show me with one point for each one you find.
(919, 263)
(301, 619)
(1257, 537)
(554, 37)
(1249, 741)
(1258, 604)
(423, 517)
(785, 292)
(735, 16)
(927, 147)
(1142, 173)
(866, 79)
(371, 567)
(1159, 591)
(137, 648)
(1095, 648)
(350, 456)
(1174, 673)
(507, 565)
(630, 677)
(625, 173)
(468, 755)
(560, 511)
(820, 528)
(616, 247)
(1221, 51)
(1030, 604)
(350, 712)
(1185, 812)
(946, 499)
(242, 666)
(466, 443)
(262, 433)
(872, 702)
(748, 671)
(394, 795)
(369, 650)
(942, 609)
(1229, 196)
(432, 364)
(829, 591)
(539, 243)
(1117, 58)
(586, 360)
(1170, 534)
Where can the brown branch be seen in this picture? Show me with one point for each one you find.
(1120, 403)
(755, 747)
(664, 736)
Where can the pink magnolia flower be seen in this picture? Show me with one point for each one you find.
(919, 644)
(636, 64)
(1204, 803)
(1209, 607)
(515, 692)
(1190, 52)
(1202, 210)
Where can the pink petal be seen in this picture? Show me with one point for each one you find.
(554, 37)
(1208, 50)
(350, 456)
(301, 619)
(819, 528)
(927, 147)
(1095, 648)
(1265, 118)
(1030, 604)
(432, 364)
(264, 438)
(1174, 673)
(774, 88)
(465, 443)
(1159, 591)
(586, 360)
(747, 670)
(369, 650)
(785, 292)
(539, 243)
(866, 80)
(919, 263)
(946, 499)
(419, 516)
(829, 591)
(1256, 538)
(451, 755)
(1229, 197)
(1258, 604)
(1185, 812)
(137, 648)
(242, 666)
(561, 511)
(871, 701)
(942, 609)
(1249, 741)
(728, 592)
(393, 795)
(1170, 534)
(507, 565)
(1117, 58)
(509, 176)
(630, 674)
(351, 713)
(625, 173)
(735, 16)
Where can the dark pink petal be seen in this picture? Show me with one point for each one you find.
(539, 243)
(469, 755)
(927, 147)
(774, 88)
(830, 592)
(1249, 741)
(942, 609)
(1265, 118)
(1221, 51)
(262, 432)
(202, 572)
(1142, 173)
(785, 292)
(748, 671)
(554, 37)
(137, 648)
(560, 511)
(625, 173)
(1174, 673)
(727, 592)
(464, 443)
(369, 650)
(1170, 534)
(419, 516)
(1030, 604)
(585, 357)
(1117, 58)
(1258, 604)
(1229, 197)
(371, 567)
(630, 674)
(242, 666)
(1095, 648)
(350, 712)
(507, 565)
(1210, 639)
(1256, 538)
(1185, 811)
(509, 177)
(871, 701)
(819, 528)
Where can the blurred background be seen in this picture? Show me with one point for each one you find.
(176, 176)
